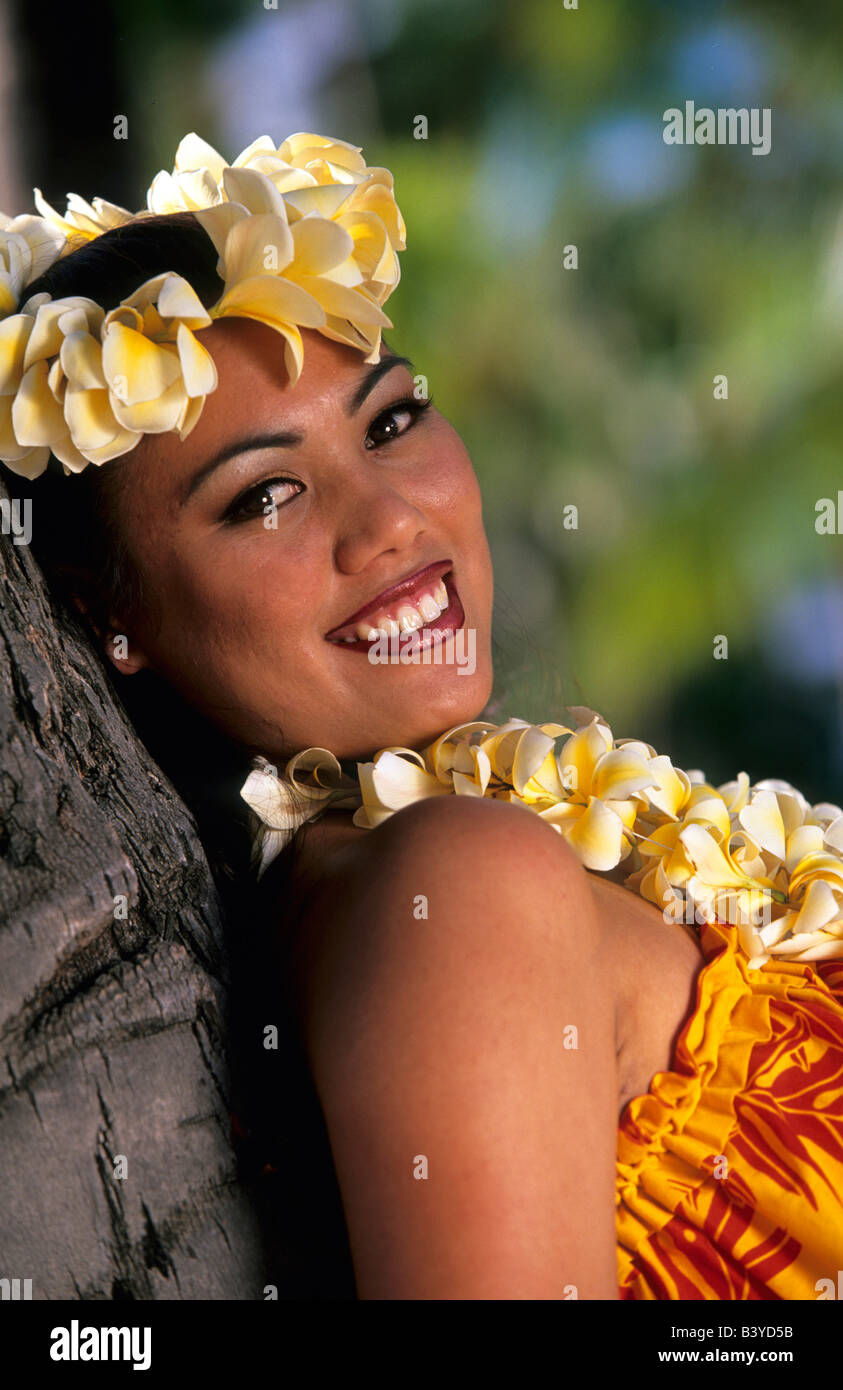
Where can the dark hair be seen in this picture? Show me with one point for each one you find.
(78, 543)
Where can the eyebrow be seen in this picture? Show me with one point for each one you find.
(289, 439)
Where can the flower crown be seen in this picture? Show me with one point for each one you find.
(306, 235)
(759, 857)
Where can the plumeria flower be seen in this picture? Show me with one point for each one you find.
(156, 370)
(28, 247)
(28, 460)
(197, 179)
(518, 762)
(304, 275)
(312, 781)
(599, 804)
(86, 386)
(314, 174)
(454, 763)
(302, 161)
(759, 857)
(306, 234)
(82, 221)
(36, 414)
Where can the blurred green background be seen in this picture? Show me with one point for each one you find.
(590, 386)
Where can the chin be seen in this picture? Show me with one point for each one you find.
(434, 707)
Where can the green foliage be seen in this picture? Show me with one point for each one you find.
(594, 386)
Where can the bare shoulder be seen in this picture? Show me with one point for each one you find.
(446, 956)
(472, 861)
(445, 843)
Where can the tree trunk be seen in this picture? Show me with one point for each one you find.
(117, 1173)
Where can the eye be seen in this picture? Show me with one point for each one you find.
(262, 498)
(390, 424)
(386, 423)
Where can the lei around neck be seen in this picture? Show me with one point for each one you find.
(758, 856)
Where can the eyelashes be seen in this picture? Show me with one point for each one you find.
(412, 404)
(259, 499)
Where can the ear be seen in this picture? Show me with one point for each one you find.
(123, 652)
(116, 644)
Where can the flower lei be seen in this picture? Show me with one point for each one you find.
(306, 236)
(758, 856)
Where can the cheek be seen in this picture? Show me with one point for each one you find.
(223, 606)
(459, 512)
(447, 488)
(237, 605)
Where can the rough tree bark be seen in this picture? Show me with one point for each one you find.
(111, 1028)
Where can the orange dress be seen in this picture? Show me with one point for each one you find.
(730, 1168)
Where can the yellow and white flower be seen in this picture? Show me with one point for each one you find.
(82, 221)
(289, 276)
(86, 386)
(301, 164)
(157, 372)
(28, 246)
(760, 856)
(313, 175)
(49, 362)
(312, 780)
(306, 235)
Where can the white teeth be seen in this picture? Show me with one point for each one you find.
(409, 618)
(387, 627)
(429, 608)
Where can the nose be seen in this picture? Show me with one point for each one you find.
(375, 519)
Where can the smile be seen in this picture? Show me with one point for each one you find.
(429, 606)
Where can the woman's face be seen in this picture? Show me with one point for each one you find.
(285, 512)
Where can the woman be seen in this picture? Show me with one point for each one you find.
(479, 1007)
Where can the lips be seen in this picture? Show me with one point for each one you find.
(406, 589)
(415, 642)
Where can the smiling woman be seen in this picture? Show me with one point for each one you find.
(468, 998)
(265, 546)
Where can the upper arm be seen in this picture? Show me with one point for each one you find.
(461, 1036)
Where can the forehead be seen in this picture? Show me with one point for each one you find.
(245, 350)
(253, 393)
